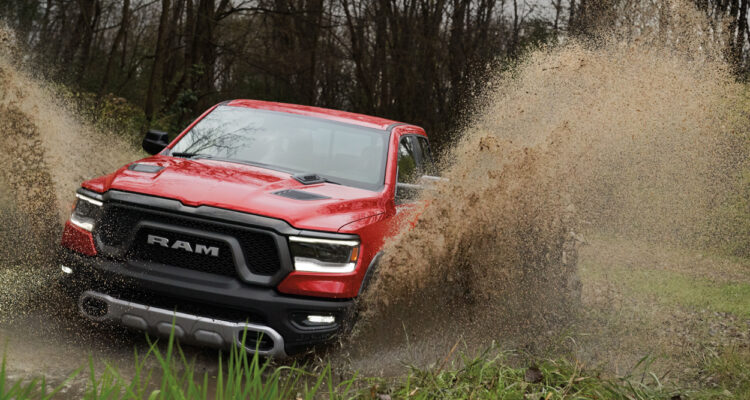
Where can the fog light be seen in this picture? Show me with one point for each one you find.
(321, 319)
(307, 321)
(66, 269)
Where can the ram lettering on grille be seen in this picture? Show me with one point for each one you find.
(182, 245)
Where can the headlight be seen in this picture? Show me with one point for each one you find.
(86, 212)
(324, 255)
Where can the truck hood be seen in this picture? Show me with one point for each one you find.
(244, 188)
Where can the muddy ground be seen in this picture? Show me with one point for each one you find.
(622, 320)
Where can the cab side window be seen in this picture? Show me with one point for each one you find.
(425, 156)
(414, 161)
(407, 161)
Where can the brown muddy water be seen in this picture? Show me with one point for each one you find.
(594, 153)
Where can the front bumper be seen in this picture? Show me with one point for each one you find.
(187, 328)
(145, 296)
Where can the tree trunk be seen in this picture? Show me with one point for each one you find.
(733, 12)
(572, 16)
(516, 28)
(558, 10)
(91, 10)
(741, 28)
(457, 58)
(311, 36)
(71, 48)
(205, 51)
(171, 42)
(153, 92)
(115, 45)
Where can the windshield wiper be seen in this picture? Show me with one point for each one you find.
(326, 180)
(187, 154)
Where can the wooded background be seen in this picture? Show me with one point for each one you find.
(419, 61)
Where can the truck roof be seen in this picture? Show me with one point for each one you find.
(317, 112)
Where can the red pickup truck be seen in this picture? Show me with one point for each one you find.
(261, 218)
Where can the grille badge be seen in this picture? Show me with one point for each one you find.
(183, 245)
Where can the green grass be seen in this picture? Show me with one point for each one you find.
(722, 297)
(488, 376)
(483, 378)
(731, 369)
(682, 289)
(165, 372)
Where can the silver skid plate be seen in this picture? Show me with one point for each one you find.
(188, 328)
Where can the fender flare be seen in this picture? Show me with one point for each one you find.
(370, 272)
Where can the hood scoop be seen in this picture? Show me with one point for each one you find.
(147, 168)
(300, 195)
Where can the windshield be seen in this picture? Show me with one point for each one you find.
(338, 152)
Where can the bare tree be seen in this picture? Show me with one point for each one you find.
(153, 91)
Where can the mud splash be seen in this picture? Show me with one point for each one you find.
(640, 133)
(46, 153)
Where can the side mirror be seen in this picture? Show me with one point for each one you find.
(428, 180)
(155, 141)
(406, 192)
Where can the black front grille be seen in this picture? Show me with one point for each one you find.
(118, 222)
(186, 256)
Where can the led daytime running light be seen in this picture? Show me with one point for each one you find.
(87, 226)
(90, 200)
(301, 239)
